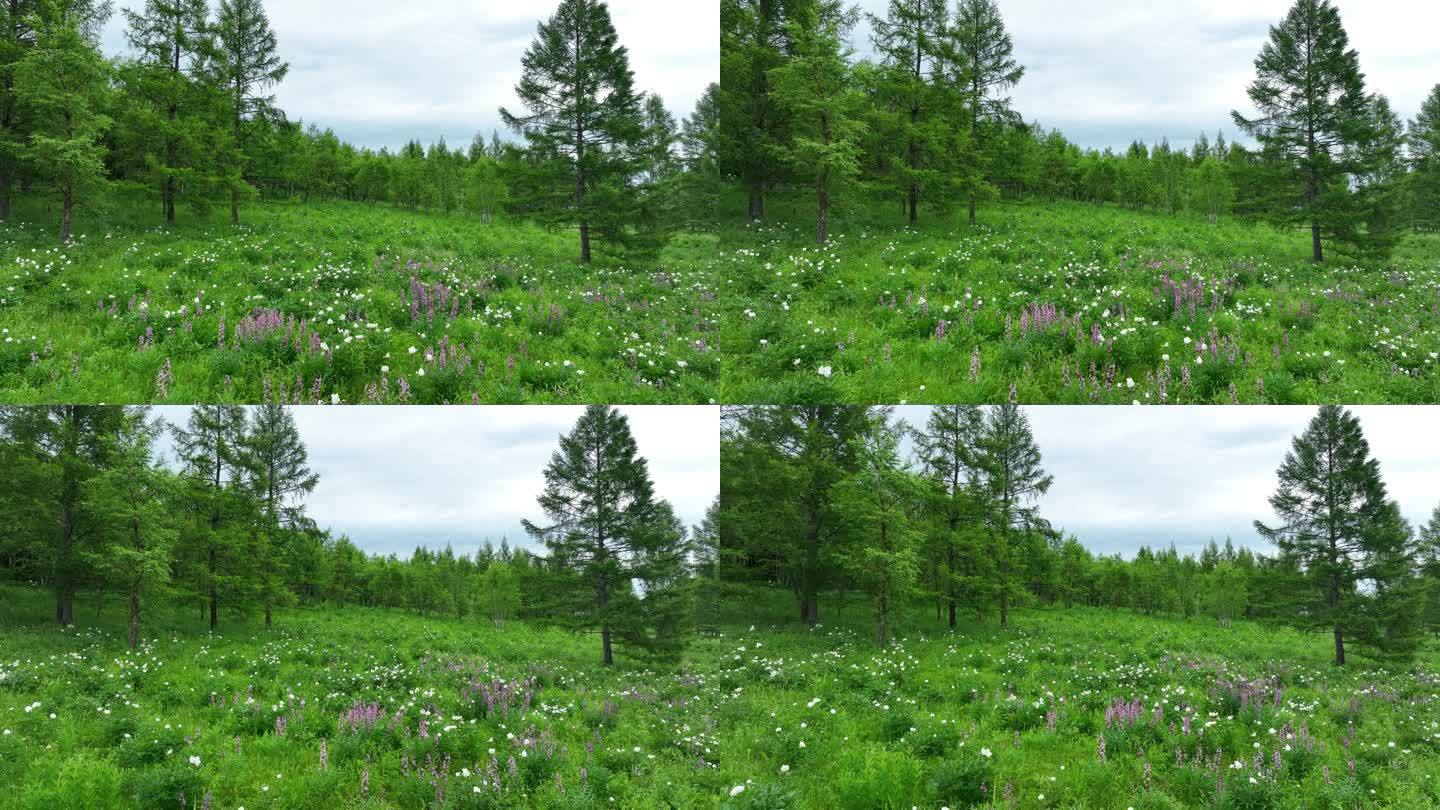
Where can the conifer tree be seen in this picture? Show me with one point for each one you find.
(210, 449)
(600, 503)
(910, 41)
(699, 134)
(1014, 480)
(247, 64)
(583, 121)
(63, 448)
(16, 39)
(947, 452)
(175, 43)
(1424, 142)
(752, 125)
(877, 503)
(61, 83)
(1313, 109)
(278, 476)
(131, 500)
(1331, 501)
(984, 63)
(815, 89)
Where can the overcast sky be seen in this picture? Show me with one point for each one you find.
(394, 478)
(1107, 72)
(1132, 476)
(381, 73)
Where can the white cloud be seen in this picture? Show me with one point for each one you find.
(1107, 72)
(397, 477)
(381, 73)
(1127, 476)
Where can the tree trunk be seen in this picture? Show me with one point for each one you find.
(757, 203)
(950, 599)
(1339, 647)
(602, 598)
(267, 607)
(134, 617)
(4, 196)
(234, 207)
(68, 206)
(1315, 243)
(1004, 606)
(972, 211)
(809, 574)
(823, 187)
(882, 623)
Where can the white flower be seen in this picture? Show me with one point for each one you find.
(784, 769)
(384, 369)
(736, 791)
(985, 752)
(334, 399)
(195, 760)
(825, 371)
(413, 350)
(421, 372)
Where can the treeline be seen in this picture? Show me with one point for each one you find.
(189, 116)
(92, 508)
(826, 500)
(928, 122)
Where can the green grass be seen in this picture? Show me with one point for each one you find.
(133, 313)
(912, 725)
(868, 306)
(121, 727)
(797, 717)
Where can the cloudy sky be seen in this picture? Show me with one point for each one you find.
(381, 73)
(394, 478)
(1126, 476)
(1106, 72)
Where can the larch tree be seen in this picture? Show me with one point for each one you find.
(16, 38)
(1330, 500)
(279, 477)
(946, 449)
(1390, 613)
(582, 122)
(752, 125)
(132, 504)
(815, 88)
(877, 503)
(499, 593)
(65, 447)
(174, 43)
(1313, 109)
(247, 65)
(62, 82)
(911, 43)
(984, 66)
(1013, 482)
(210, 449)
(1424, 143)
(1428, 563)
(599, 499)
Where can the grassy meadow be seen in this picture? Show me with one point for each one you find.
(1067, 303)
(347, 303)
(385, 709)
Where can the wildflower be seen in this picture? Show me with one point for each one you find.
(736, 791)
(825, 371)
(784, 769)
(195, 760)
(985, 752)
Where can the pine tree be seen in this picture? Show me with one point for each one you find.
(583, 121)
(1014, 480)
(815, 89)
(131, 501)
(599, 498)
(61, 82)
(1390, 611)
(910, 41)
(877, 502)
(211, 453)
(985, 67)
(699, 134)
(1330, 500)
(246, 65)
(278, 476)
(1313, 109)
(656, 146)
(174, 42)
(1424, 141)
(1428, 562)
